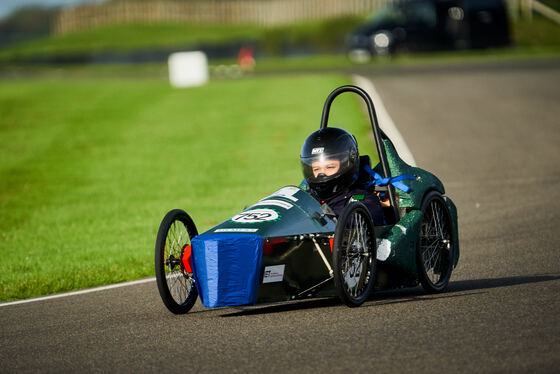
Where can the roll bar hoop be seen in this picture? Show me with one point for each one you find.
(377, 133)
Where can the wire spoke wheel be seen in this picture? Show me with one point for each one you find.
(435, 246)
(354, 255)
(175, 281)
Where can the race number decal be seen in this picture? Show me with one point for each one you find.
(256, 216)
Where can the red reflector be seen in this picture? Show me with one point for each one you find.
(187, 258)
(268, 245)
(331, 242)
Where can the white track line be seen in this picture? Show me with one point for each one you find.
(385, 121)
(80, 292)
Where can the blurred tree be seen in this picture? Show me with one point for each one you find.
(25, 24)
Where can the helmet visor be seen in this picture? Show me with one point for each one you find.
(323, 167)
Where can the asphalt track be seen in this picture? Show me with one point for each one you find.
(493, 137)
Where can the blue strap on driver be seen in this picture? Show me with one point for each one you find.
(378, 180)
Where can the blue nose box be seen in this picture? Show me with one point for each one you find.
(227, 268)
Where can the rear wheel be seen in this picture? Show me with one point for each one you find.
(175, 281)
(434, 255)
(354, 254)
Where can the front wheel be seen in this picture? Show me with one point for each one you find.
(354, 254)
(174, 273)
(434, 255)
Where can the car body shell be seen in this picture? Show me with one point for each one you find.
(291, 252)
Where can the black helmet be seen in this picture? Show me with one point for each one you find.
(324, 145)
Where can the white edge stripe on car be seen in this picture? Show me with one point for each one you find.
(385, 121)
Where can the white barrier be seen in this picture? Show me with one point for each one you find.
(188, 69)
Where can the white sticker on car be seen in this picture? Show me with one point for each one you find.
(279, 203)
(273, 273)
(236, 230)
(287, 192)
(256, 216)
(403, 229)
(383, 249)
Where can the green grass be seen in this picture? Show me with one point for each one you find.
(323, 35)
(88, 168)
(326, 62)
(540, 33)
(129, 37)
(320, 63)
(537, 39)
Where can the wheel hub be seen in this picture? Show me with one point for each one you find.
(172, 262)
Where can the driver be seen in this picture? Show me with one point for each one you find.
(330, 161)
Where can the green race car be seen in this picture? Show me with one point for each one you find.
(289, 246)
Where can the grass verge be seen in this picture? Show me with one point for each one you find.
(322, 37)
(130, 37)
(89, 168)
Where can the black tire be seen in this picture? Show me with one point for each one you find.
(434, 253)
(354, 255)
(176, 286)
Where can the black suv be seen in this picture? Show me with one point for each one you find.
(420, 25)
